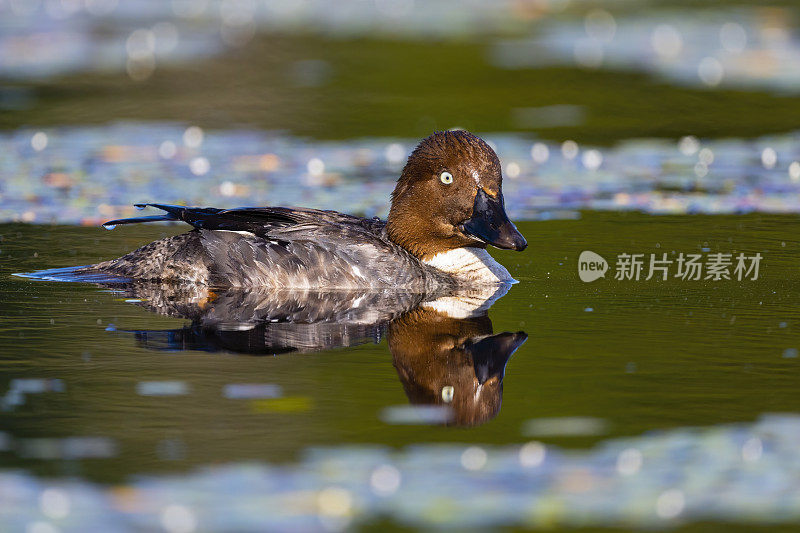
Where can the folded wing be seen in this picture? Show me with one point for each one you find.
(256, 220)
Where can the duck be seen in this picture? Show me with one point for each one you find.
(446, 208)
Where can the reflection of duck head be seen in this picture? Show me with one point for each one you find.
(453, 362)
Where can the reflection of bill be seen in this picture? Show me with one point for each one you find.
(591, 266)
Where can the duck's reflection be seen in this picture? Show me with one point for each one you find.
(449, 361)
(443, 347)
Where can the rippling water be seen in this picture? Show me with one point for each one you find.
(96, 385)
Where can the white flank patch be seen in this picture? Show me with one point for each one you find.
(471, 264)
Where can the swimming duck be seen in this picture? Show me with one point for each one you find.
(447, 206)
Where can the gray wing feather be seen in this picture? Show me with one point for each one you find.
(306, 257)
(277, 247)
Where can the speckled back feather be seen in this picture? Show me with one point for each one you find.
(277, 247)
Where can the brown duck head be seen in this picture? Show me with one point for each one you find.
(449, 196)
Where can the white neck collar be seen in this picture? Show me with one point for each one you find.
(473, 265)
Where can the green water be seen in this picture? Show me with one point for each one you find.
(640, 355)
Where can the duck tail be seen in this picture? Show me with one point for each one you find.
(193, 215)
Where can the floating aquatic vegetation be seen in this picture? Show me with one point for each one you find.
(162, 388)
(90, 447)
(239, 391)
(744, 48)
(741, 472)
(41, 39)
(36, 385)
(565, 427)
(749, 48)
(102, 171)
(417, 415)
(19, 387)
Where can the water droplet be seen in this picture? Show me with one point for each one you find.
(385, 480)
(540, 152)
(193, 137)
(629, 461)
(39, 141)
(666, 41)
(733, 37)
(711, 71)
(513, 170)
(600, 25)
(569, 149)
(316, 167)
(769, 158)
(474, 458)
(670, 504)
(109, 226)
(167, 149)
(688, 145)
(706, 156)
(395, 153)
(199, 166)
(592, 159)
(794, 171)
(532, 454)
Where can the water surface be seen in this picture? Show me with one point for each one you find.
(637, 354)
(612, 358)
(608, 359)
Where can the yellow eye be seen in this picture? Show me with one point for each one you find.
(446, 178)
(447, 393)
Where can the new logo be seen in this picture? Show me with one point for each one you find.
(591, 266)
